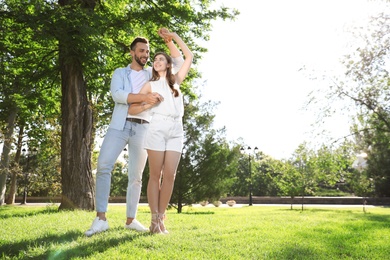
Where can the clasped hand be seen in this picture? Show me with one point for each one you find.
(154, 98)
(165, 34)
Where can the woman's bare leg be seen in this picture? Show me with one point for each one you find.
(171, 161)
(156, 160)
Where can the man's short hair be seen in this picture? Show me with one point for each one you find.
(137, 40)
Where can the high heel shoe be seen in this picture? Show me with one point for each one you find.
(155, 225)
(162, 226)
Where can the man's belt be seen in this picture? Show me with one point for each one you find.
(137, 120)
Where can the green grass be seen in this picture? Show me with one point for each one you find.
(257, 232)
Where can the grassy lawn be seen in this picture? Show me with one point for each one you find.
(257, 232)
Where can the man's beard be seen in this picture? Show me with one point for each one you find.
(138, 60)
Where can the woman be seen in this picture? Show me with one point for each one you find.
(164, 138)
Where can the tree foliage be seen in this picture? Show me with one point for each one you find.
(119, 180)
(208, 162)
(364, 91)
(368, 86)
(29, 102)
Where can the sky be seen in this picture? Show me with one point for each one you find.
(253, 67)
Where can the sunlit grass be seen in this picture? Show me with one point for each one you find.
(257, 232)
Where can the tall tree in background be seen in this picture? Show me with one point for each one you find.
(367, 84)
(26, 83)
(264, 175)
(76, 141)
(364, 93)
(207, 163)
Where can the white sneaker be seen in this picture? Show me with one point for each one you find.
(98, 226)
(137, 226)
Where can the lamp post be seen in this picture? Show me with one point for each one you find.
(249, 152)
(26, 175)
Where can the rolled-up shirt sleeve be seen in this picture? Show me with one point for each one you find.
(118, 92)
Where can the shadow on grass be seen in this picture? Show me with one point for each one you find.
(198, 213)
(343, 240)
(15, 248)
(296, 252)
(383, 221)
(94, 246)
(57, 246)
(314, 210)
(356, 212)
(15, 212)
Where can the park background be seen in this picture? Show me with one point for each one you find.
(57, 61)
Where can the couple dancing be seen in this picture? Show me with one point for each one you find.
(147, 117)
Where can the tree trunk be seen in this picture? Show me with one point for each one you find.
(179, 205)
(77, 180)
(12, 190)
(76, 173)
(4, 162)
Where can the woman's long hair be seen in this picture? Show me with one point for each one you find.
(169, 76)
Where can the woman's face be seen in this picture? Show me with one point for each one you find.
(160, 63)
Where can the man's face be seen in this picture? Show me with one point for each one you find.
(141, 53)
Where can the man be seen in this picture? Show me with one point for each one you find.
(127, 130)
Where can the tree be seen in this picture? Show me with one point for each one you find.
(240, 181)
(364, 91)
(119, 180)
(265, 176)
(47, 169)
(289, 179)
(76, 145)
(207, 163)
(333, 165)
(260, 181)
(26, 85)
(368, 86)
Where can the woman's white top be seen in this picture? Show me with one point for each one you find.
(171, 106)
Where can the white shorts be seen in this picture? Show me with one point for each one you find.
(165, 134)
